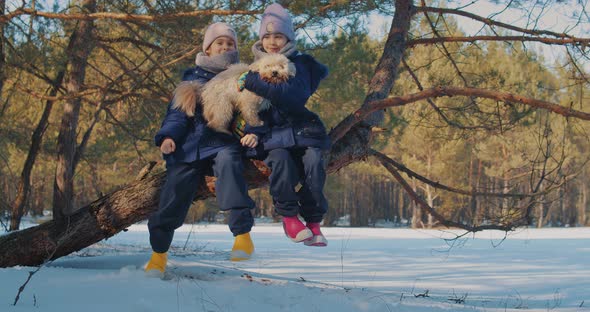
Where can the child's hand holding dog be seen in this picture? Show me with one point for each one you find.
(168, 146)
(242, 81)
(249, 140)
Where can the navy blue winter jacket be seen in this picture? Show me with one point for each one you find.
(192, 138)
(288, 123)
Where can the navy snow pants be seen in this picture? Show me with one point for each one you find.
(289, 167)
(181, 185)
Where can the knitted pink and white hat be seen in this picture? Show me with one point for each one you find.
(276, 19)
(217, 30)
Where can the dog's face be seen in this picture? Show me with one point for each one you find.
(274, 68)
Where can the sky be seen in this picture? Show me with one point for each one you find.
(557, 18)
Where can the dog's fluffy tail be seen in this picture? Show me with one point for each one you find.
(186, 97)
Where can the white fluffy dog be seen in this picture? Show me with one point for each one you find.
(221, 97)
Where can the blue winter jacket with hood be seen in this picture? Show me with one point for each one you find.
(193, 139)
(288, 123)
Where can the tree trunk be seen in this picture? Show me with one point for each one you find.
(403, 214)
(2, 57)
(416, 212)
(583, 204)
(541, 207)
(505, 211)
(82, 44)
(386, 71)
(430, 202)
(379, 88)
(475, 185)
(37, 201)
(429, 192)
(24, 184)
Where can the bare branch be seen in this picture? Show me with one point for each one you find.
(129, 40)
(424, 206)
(437, 109)
(121, 16)
(320, 12)
(489, 21)
(441, 186)
(85, 138)
(41, 96)
(182, 56)
(123, 127)
(364, 111)
(551, 41)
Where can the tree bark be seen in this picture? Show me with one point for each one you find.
(379, 88)
(82, 45)
(386, 71)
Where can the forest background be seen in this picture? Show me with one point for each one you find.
(106, 82)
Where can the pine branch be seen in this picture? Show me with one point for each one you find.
(342, 128)
(121, 16)
(551, 41)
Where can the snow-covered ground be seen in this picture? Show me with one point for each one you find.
(362, 269)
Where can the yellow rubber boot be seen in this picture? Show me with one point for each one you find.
(157, 264)
(243, 248)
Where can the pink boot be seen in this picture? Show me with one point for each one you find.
(295, 230)
(318, 239)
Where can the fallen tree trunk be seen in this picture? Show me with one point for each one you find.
(99, 220)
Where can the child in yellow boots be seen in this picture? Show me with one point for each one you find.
(191, 150)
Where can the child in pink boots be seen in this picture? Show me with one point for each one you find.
(295, 138)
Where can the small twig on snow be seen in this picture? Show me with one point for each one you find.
(424, 295)
(22, 287)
